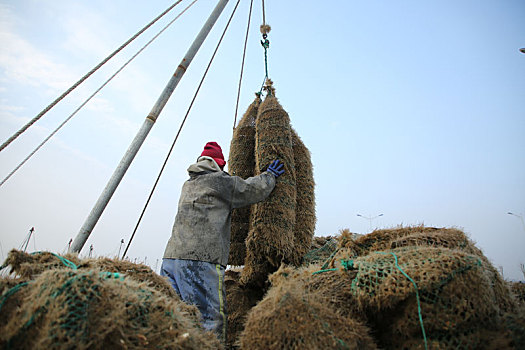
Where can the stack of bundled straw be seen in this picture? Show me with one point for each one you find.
(63, 303)
(280, 229)
(408, 288)
(242, 163)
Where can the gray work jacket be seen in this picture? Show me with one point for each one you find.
(203, 222)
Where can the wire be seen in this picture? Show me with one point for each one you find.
(263, 13)
(74, 86)
(242, 64)
(93, 95)
(180, 129)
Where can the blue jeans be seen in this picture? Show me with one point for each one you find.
(201, 284)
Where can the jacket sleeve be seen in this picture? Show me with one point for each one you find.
(252, 190)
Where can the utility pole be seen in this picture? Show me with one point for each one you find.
(520, 217)
(26, 241)
(90, 250)
(120, 247)
(370, 218)
(133, 149)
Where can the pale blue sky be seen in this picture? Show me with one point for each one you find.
(413, 109)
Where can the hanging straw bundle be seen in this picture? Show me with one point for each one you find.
(305, 200)
(271, 237)
(242, 163)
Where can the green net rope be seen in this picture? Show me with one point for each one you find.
(348, 264)
(417, 296)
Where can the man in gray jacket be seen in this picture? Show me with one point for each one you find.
(197, 252)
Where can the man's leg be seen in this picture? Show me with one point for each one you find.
(167, 270)
(201, 284)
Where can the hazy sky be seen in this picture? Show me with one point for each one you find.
(411, 109)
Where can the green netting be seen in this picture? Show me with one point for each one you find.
(417, 293)
(28, 266)
(74, 307)
(320, 255)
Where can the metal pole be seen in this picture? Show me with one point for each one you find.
(520, 217)
(124, 164)
(120, 247)
(29, 238)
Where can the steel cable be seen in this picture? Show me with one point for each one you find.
(93, 95)
(242, 65)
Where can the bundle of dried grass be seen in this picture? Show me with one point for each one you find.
(453, 315)
(28, 266)
(305, 219)
(92, 309)
(518, 289)
(421, 236)
(271, 237)
(242, 163)
(411, 236)
(291, 318)
(239, 300)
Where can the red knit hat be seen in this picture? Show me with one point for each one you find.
(212, 149)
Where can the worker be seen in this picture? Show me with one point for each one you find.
(197, 252)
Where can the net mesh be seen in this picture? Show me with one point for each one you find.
(28, 266)
(87, 308)
(242, 163)
(281, 228)
(305, 218)
(416, 288)
(290, 317)
(271, 237)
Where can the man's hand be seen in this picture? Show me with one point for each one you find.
(276, 168)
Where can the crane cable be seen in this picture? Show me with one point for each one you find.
(265, 29)
(242, 64)
(93, 94)
(179, 131)
(87, 75)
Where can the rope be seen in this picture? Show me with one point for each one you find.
(179, 131)
(15, 289)
(325, 270)
(349, 264)
(265, 29)
(265, 44)
(242, 64)
(10, 292)
(66, 262)
(263, 13)
(417, 297)
(93, 95)
(74, 86)
(327, 262)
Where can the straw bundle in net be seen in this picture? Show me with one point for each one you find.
(452, 312)
(28, 266)
(421, 236)
(304, 228)
(411, 236)
(518, 290)
(291, 318)
(271, 237)
(92, 309)
(240, 300)
(242, 163)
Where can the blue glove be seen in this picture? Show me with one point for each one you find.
(276, 168)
